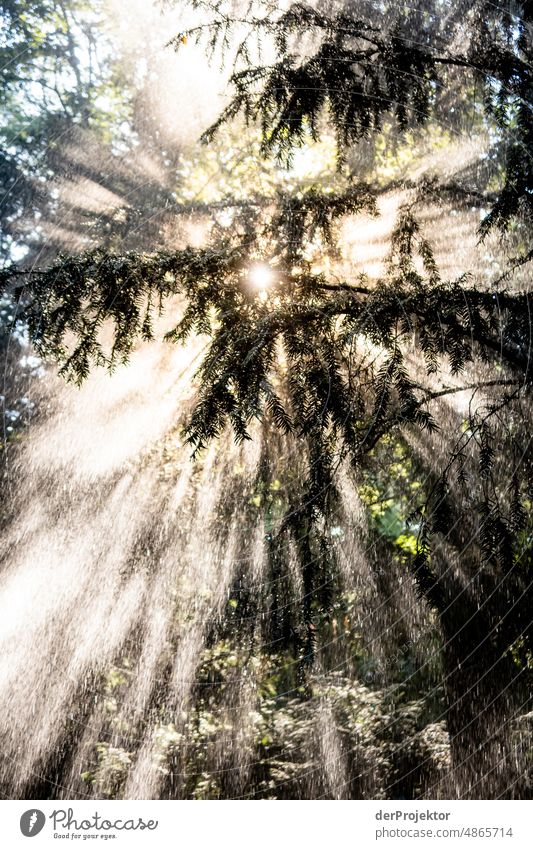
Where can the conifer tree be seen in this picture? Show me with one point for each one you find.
(327, 360)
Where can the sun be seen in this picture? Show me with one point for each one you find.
(260, 276)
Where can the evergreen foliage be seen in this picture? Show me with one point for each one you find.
(322, 359)
(325, 360)
(366, 71)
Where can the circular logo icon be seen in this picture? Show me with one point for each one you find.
(32, 822)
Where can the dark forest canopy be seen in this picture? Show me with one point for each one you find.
(326, 359)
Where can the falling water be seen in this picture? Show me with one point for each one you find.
(123, 562)
(119, 555)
